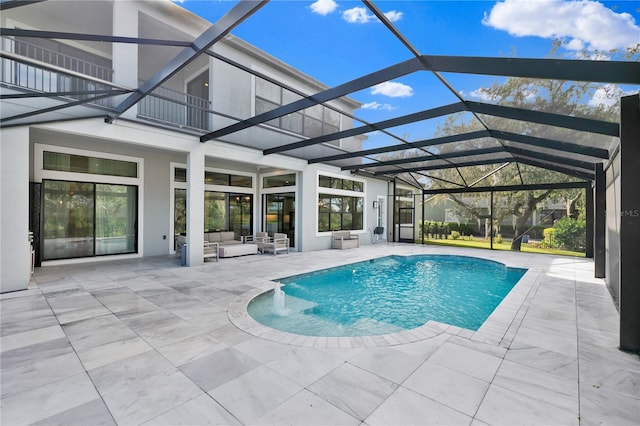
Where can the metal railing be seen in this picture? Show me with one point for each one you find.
(176, 108)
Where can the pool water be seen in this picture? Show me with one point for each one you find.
(387, 295)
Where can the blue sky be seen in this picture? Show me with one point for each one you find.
(336, 41)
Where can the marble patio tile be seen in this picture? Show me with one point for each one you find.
(424, 348)
(169, 334)
(405, 407)
(353, 390)
(610, 378)
(255, 393)
(389, 363)
(492, 350)
(26, 355)
(467, 361)
(97, 331)
(174, 300)
(202, 410)
(142, 400)
(449, 387)
(93, 413)
(213, 370)
(74, 302)
(504, 407)
(99, 356)
(545, 360)
(31, 337)
(46, 401)
(229, 334)
(305, 365)
(82, 314)
(261, 350)
(527, 337)
(22, 308)
(599, 406)
(128, 372)
(22, 325)
(307, 409)
(555, 390)
(184, 351)
(39, 373)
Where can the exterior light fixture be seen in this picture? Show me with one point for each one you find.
(376, 205)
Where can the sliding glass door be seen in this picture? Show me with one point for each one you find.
(280, 214)
(83, 219)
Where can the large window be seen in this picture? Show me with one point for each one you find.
(83, 219)
(340, 213)
(222, 211)
(314, 121)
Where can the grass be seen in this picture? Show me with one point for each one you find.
(482, 243)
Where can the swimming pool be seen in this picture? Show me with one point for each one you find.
(388, 295)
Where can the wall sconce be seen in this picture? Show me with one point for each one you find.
(376, 205)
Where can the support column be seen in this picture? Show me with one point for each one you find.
(629, 223)
(15, 250)
(600, 223)
(195, 205)
(125, 55)
(589, 231)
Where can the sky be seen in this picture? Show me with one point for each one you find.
(336, 41)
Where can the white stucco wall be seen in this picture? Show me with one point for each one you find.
(15, 253)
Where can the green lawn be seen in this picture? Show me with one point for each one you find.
(482, 243)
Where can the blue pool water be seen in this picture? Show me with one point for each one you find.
(387, 295)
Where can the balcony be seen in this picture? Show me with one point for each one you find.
(28, 66)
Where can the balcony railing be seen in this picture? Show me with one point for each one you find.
(32, 67)
(176, 109)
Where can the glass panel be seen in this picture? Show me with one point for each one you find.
(314, 111)
(288, 97)
(332, 118)
(241, 181)
(68, 219)
(215, 211)
(265, 106)
(116, 212)
(336, 213)
(180, 175)
(278, 181)
(280, 214)
(324, 182)
(180, 212)
(213, 178)
(240, 214)
(358, 186)
(82, 164)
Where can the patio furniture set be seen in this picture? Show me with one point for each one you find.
(226, 244)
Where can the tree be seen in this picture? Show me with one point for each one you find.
(559, 97)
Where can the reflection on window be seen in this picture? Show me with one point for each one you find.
(215, 178)
(86, 219)
(339, 183)
(340, 213)
(279, 180)
(94, 165)
(223, 211)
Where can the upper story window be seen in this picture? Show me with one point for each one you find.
(315, 121)
(93, 165)
(279, 181)
(404, 192)
(215, 178)
(339, 183)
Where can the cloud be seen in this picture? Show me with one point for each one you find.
(392, 89)
(323, 7)
(583, 24)
(359, 15)
(608, 95)
(378, 106)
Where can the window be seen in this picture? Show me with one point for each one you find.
(83, 219)
(340, 213)
(339, 183)
(279, 181)
(222, 211)
(215, 178)
(314, 121)
(83, 164)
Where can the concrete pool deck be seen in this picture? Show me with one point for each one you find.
(147, 341)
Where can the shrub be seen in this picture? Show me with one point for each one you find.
(498, 239)
(548, 238)
(455, 235)
(569, 233)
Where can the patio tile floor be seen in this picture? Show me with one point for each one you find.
(150, 342)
